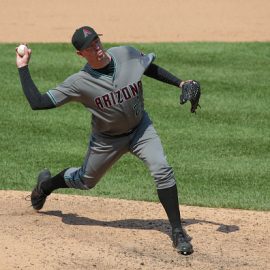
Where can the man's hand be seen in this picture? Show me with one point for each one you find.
(22, 61)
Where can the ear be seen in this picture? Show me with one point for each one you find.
(79, 53)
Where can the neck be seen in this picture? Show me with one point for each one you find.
(100, 63)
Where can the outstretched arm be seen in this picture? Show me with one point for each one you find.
(191, 89)
(36, 100)
(156, 72)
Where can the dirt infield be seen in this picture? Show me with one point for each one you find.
(77, 232)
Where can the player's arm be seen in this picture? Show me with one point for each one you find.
(156, 72)
(36, 100)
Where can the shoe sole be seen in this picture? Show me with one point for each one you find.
(185, 253)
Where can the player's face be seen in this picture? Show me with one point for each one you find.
(94, 52)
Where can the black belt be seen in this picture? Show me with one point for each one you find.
(119, 135)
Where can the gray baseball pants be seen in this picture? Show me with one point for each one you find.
(104, 151)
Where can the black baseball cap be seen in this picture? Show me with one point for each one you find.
(83, 36)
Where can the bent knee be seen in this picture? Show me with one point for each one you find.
(164, 177)
(78, 179)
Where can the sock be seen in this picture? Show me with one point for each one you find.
(57, 181)
(169, 199)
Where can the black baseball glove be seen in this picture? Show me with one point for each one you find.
(191, 91)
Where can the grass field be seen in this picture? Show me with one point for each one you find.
(220, 156)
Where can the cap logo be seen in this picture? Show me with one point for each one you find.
(86, 32)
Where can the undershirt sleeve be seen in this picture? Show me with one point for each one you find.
(156, 72)
(36, 100)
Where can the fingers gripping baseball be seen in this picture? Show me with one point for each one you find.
(23, 54)
(191, 91)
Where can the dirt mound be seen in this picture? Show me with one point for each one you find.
(79, 232)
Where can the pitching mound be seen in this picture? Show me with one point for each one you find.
(79, 232)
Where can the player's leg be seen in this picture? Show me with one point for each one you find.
(147, 146)
(103, 152)
(101, 155)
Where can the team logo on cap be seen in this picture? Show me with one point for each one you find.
(86, 32)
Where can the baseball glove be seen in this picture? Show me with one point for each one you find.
(191, 91)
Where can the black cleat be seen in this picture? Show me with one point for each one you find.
(181, 241)
(38, 197)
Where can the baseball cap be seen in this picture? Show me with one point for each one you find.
(83, 36)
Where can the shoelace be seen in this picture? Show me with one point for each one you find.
(28, 198)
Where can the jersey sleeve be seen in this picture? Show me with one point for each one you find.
(143, 59)
(65, 92)
(147, 59)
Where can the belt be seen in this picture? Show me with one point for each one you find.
(119, 135)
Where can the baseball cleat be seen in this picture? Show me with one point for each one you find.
(38, 197)
(181, 241)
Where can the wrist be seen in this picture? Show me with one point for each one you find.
(22, 66)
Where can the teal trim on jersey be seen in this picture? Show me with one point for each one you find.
(94, 72)
(51, 97)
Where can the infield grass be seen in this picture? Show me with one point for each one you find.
(220, 156)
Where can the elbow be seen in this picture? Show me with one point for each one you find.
(35, 108)
(40, 105)
(36, 105)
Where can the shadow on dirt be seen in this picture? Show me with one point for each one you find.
(140, 224)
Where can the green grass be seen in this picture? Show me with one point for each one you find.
(220, 156)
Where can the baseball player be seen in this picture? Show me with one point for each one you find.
(110, 87)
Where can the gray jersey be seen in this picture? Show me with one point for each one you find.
(116, 102)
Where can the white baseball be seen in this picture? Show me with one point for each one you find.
(20, 49)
